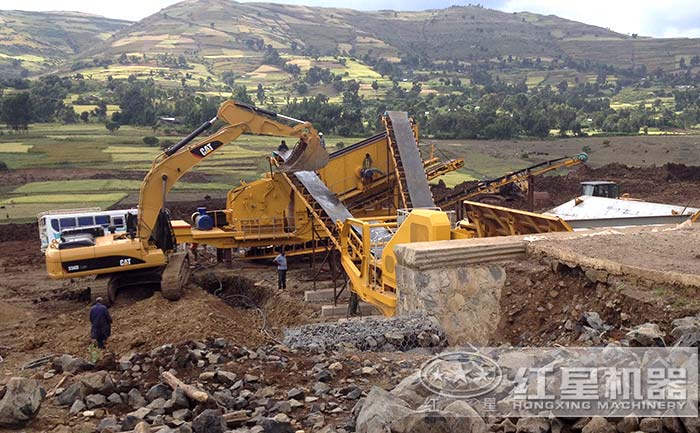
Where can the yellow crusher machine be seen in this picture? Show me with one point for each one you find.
(146, 253)
(286, 209)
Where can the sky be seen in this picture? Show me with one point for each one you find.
(658, 18)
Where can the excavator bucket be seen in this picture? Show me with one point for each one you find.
(307, 155)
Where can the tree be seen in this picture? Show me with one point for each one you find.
(17, 111)
(112, 126)
(375, 85)
(47, 95)
(240, 94)
(150, 140)
(68, 115)
(85, 116)
(260, 93)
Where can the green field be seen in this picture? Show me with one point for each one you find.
(53, 151)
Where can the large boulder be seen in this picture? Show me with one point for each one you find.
(647, 334)
(686, 331)
(209, 421)
(71, 364)
(598, 425)
(692, 425)
(457, 417)
(379, 410)
(76, 391)
(411, 390)
(21, 401)
(99, 382)
(532, 425)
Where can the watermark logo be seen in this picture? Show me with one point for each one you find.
(568, 381)
(461, 374)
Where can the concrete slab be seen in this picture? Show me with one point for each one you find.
(324, 295)
(341, 310)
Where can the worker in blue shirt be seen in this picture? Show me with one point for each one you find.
(281, 262)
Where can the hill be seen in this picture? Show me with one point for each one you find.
(225, 31)
(198, 42)
(37, 41)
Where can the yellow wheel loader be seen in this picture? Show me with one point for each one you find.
(146, 253)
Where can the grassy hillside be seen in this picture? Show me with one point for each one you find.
(223, 36)
(225, 32)
(36, 41)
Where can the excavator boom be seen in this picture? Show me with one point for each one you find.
(240, 118)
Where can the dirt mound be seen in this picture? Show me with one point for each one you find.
(19, 232)
(537, 303)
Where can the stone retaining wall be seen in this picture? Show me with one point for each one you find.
(458, 283)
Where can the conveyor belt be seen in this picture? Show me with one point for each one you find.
(324, 197)
(333, 207)
(416, 181)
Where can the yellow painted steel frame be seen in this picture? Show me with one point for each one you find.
(442, 168)
(489, 220)
(520, 178)
(268, 211)
(695, 217)
(373, 278)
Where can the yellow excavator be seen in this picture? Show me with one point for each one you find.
(147, 252)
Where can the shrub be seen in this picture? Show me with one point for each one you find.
(150, 140)
(339, 145)
(586, 149)
(3, 166)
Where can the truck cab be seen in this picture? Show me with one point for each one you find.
(600, 188)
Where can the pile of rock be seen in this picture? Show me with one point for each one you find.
(410, 408)
(401, 333)
(221, 387)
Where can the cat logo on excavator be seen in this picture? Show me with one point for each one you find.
(206, 149)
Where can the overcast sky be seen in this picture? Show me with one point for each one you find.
(660, 18)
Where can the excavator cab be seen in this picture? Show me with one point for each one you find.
(600, 189)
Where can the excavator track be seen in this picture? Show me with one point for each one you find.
(103, 287)
(175, 276)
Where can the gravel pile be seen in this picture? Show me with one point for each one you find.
(369, 334)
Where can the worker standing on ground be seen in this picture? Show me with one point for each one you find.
(322, 139)
(101, 323)
(281, 262)
(282, 147)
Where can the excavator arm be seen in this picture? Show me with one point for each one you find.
(174, 162)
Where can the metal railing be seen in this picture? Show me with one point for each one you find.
(361, 259)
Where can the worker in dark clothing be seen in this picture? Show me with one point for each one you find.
(282, 147)
(281, 262)
(367, 172)
(101, 323)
